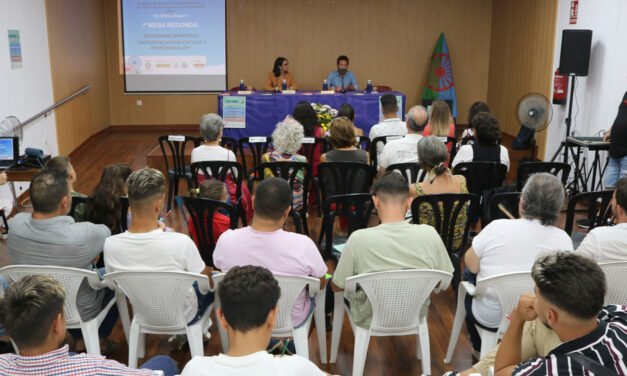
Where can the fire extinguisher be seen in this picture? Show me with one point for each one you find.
(560, 88)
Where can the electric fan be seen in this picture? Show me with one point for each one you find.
(11, 127)
(534, 113)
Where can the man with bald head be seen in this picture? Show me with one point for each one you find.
(405, 149)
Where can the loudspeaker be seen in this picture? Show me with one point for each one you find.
(575, 54)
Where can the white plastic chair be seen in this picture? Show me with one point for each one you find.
(397, 298)
(71, 279)
(158, 300)
(616, 277)
(291, 286)
(508, 288)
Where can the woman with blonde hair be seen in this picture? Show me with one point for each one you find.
(342, 138)
(441, 123)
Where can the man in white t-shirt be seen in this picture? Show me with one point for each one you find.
(392, 125)
(146, 246)
(405, 149)
(512, 245)
(609, 243)
(248, 299)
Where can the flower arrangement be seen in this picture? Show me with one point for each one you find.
(325, 114)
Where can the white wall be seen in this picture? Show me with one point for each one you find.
(599, 94)
(28, 90)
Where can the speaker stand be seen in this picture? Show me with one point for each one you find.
(562, 148)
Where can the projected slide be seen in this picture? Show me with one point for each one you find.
(175, 45)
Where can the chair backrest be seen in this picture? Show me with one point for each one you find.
(310, 145)
(481, 176)
(70, 278)
(446, 209)
(356, 208)
(599, 213)
(558, 169)
(225, 171)
(124, 205)
(76, 200)
(397, 296)
(616, 278)
(376, 143)
(229, 143)
(203, 210)
(291, 287)
(158, 298)
(382, 88)
(412, 172)
(453, 142)
(257, 146)
(508, 288)
(289, 171)
(507, 200)
(363, 142)
(173, 151)
(339, 178)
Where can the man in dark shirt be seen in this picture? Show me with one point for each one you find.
(569, 294)
(617, 167)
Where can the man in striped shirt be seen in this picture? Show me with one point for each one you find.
(568, 299)
(32, 314)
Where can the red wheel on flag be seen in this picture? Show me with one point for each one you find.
(444, 72)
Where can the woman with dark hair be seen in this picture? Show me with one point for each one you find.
(347, 111)
(103, 205)
(468, 136)
(307, 117)
(342, 140)
(486, 148)
(280, 72)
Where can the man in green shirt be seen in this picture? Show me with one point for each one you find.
(393, 245)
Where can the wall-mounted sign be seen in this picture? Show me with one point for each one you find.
(574, 10)
(15, 49)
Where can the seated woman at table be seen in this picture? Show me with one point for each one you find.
(487, 147)
(432, 155)
(211, 129)
(287, 138)
(342, 140)
(441, 123)
(280, 72)
(347, 111)
(306, 116)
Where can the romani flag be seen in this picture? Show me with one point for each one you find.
(440, 84)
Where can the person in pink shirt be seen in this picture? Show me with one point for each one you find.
(264, 243)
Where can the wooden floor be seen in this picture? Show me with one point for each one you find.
(386, 356)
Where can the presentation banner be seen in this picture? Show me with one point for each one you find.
(234, 111)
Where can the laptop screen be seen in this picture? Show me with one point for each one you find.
(9, 150)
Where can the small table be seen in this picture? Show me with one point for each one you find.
(19, 174)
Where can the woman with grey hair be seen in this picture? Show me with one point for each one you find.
(512, 245)
(432, 156)
(287, 139)
(211, 128)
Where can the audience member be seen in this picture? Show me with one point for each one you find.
(32, 313)
(264, 243)
(211, 128)
(103, 205)
(49, 236)
(432, 155)
(487, 147)
(468, 135)
(287, 139)
(441, 123)
(347, 111)
(212, 190)
(392, 245)
(392, 125)
(280, 72)
(405, 149)
(63, 165)
(569, 291)
(248, 298)
(617, 136)
(342, 139)
(512, 245)
(609, 243)
(306, 116)
(342, 79)
(145, 246)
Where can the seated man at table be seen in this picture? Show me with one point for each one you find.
(342, 80)
(264, 243)
(392, 125)
(32, 313)
(392, 245)
(405, 150)
(49, 236)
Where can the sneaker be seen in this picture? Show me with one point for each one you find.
(177, 341)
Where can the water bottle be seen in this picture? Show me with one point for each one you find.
(242, 86)
(284, 85)
(369, 87)
(325, 85)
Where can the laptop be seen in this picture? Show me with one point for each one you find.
(9, 151)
